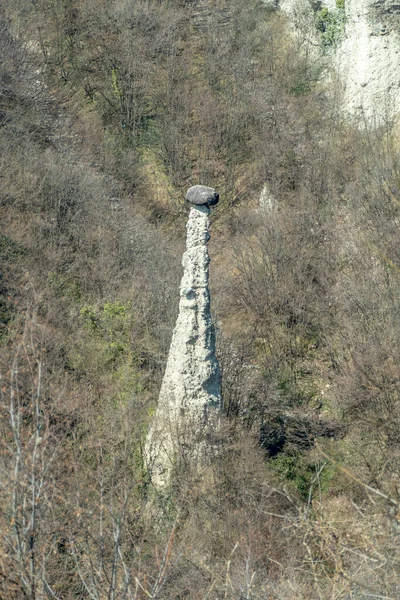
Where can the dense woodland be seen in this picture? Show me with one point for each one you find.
(109, 111)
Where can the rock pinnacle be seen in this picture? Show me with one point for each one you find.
(190, 396)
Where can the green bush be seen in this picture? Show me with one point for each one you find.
(331, 24)
(305, 475)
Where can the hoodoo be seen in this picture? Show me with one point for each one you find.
(189, 404)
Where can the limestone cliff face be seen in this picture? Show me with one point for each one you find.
(190, 396)
(369, 59)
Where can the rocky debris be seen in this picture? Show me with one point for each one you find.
(202, 195)
(189, 404)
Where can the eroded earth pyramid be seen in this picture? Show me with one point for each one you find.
(187, 414)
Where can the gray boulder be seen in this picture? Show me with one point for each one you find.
(202, 195)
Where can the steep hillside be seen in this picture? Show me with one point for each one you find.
(108, 112)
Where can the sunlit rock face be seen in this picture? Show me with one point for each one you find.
(368, 60)
(189, 404)
(368, 57)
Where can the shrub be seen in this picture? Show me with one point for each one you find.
(331, 25)
(305, 474)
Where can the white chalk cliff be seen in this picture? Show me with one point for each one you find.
(368, 57)
(189, 403)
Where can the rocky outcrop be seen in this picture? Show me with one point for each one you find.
(368, 57)
(188, 409)
(267, 200)
(368, 60)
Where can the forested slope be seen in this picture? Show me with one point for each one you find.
(108, 112)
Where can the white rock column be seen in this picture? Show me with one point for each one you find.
(189, 404)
